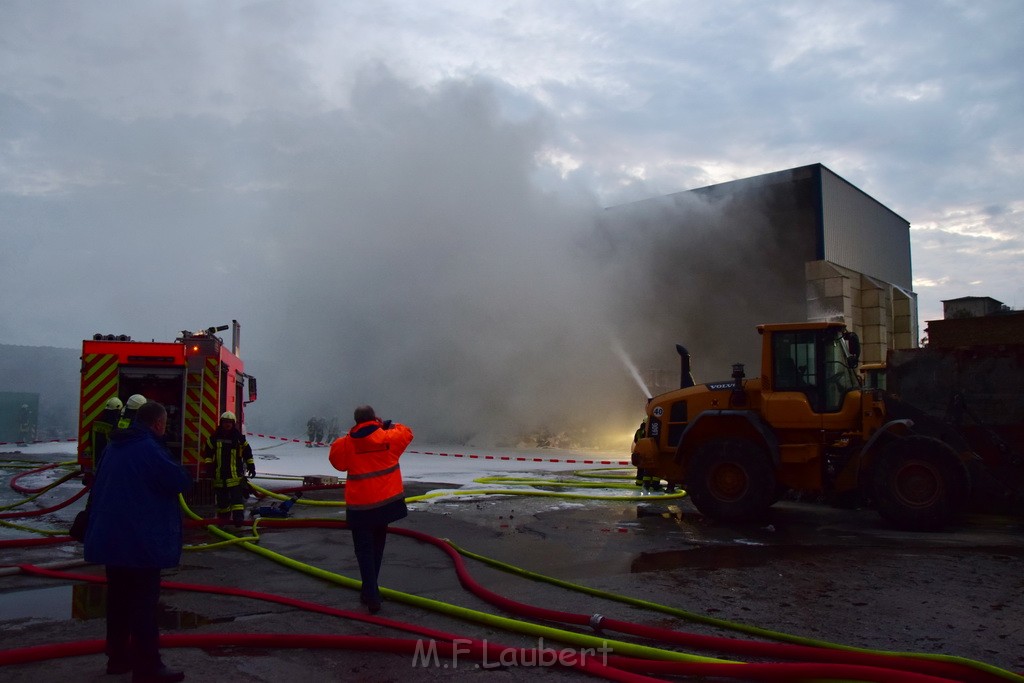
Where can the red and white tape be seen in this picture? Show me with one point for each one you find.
(518, 458)
(468, 456)
(280, 438)
(475, 456)
(29, 443)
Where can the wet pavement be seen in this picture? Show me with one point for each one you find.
(810, 570)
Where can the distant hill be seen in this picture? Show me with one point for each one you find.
(52, 373)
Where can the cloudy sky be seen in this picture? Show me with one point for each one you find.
(391, 196)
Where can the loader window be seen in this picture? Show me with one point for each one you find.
(823, 375)
(795, 367)
(840, 378)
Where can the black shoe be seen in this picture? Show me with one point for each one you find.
(161, 675)
(373, 606)
(118, 666)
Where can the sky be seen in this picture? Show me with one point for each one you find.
(395, 199)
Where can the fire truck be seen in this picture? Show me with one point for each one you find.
(196, 377)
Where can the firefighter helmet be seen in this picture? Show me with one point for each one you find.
(114, 404)
(135, 401)
(227, 415)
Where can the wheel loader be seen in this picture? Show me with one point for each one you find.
(806, 424)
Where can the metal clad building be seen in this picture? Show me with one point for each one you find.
(861, 234)
(711, 263)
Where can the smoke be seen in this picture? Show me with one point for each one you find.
(702, 269)
(422, 269)
(412, 251)
(415, 262)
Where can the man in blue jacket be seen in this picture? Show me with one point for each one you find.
(135, 530)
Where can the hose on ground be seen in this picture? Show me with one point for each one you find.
(453, 647)
(707, 642)
(956, 668)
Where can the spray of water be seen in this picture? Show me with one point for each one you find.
(621, 353)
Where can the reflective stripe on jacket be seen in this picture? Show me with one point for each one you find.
(229, 453)
(99, 435)
(370, 453)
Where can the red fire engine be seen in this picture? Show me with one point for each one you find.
(195, 376)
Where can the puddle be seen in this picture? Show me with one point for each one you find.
(41, 603)
(84, 601)
(714, 557)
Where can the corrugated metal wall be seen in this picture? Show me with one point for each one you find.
(862, 234)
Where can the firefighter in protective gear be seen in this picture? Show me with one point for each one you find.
(99, 435)
(135, 401)
(26, 428)
(649, 482)
(228, 459)
(311, 432)
(315, 430)
(374, 494)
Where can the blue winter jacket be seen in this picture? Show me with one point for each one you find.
(134, 516)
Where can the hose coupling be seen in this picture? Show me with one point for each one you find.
(595, 621)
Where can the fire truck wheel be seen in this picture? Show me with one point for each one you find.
(920, 484)
(731, 479)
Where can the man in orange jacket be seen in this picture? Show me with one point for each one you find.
(374, 495)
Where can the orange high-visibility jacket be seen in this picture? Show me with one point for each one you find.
(369, 453)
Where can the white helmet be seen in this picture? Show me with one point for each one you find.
(228, 415)
(135, 401)
(113, 404)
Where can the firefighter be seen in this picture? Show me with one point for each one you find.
(649, 482)
(228, 460)
(135, 401)
(315, 430)
(641, 478)
(374, 494)
(332, 430)
(99, 434)
(26, 433)
(311, 431)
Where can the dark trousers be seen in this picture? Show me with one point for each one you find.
(133, 631)
(230, 502)
(368, 541)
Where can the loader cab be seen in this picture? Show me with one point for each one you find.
(808, 375)
(815, 363)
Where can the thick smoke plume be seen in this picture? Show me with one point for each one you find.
(411, 251)
(421, 267)
(422, 270)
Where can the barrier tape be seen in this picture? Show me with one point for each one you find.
(284, 438)
(517, 458)
(470, 456)
(29, 443)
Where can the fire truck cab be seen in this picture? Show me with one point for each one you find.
(196, 377)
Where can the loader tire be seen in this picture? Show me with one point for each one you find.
(731, 479)
(920, 484)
